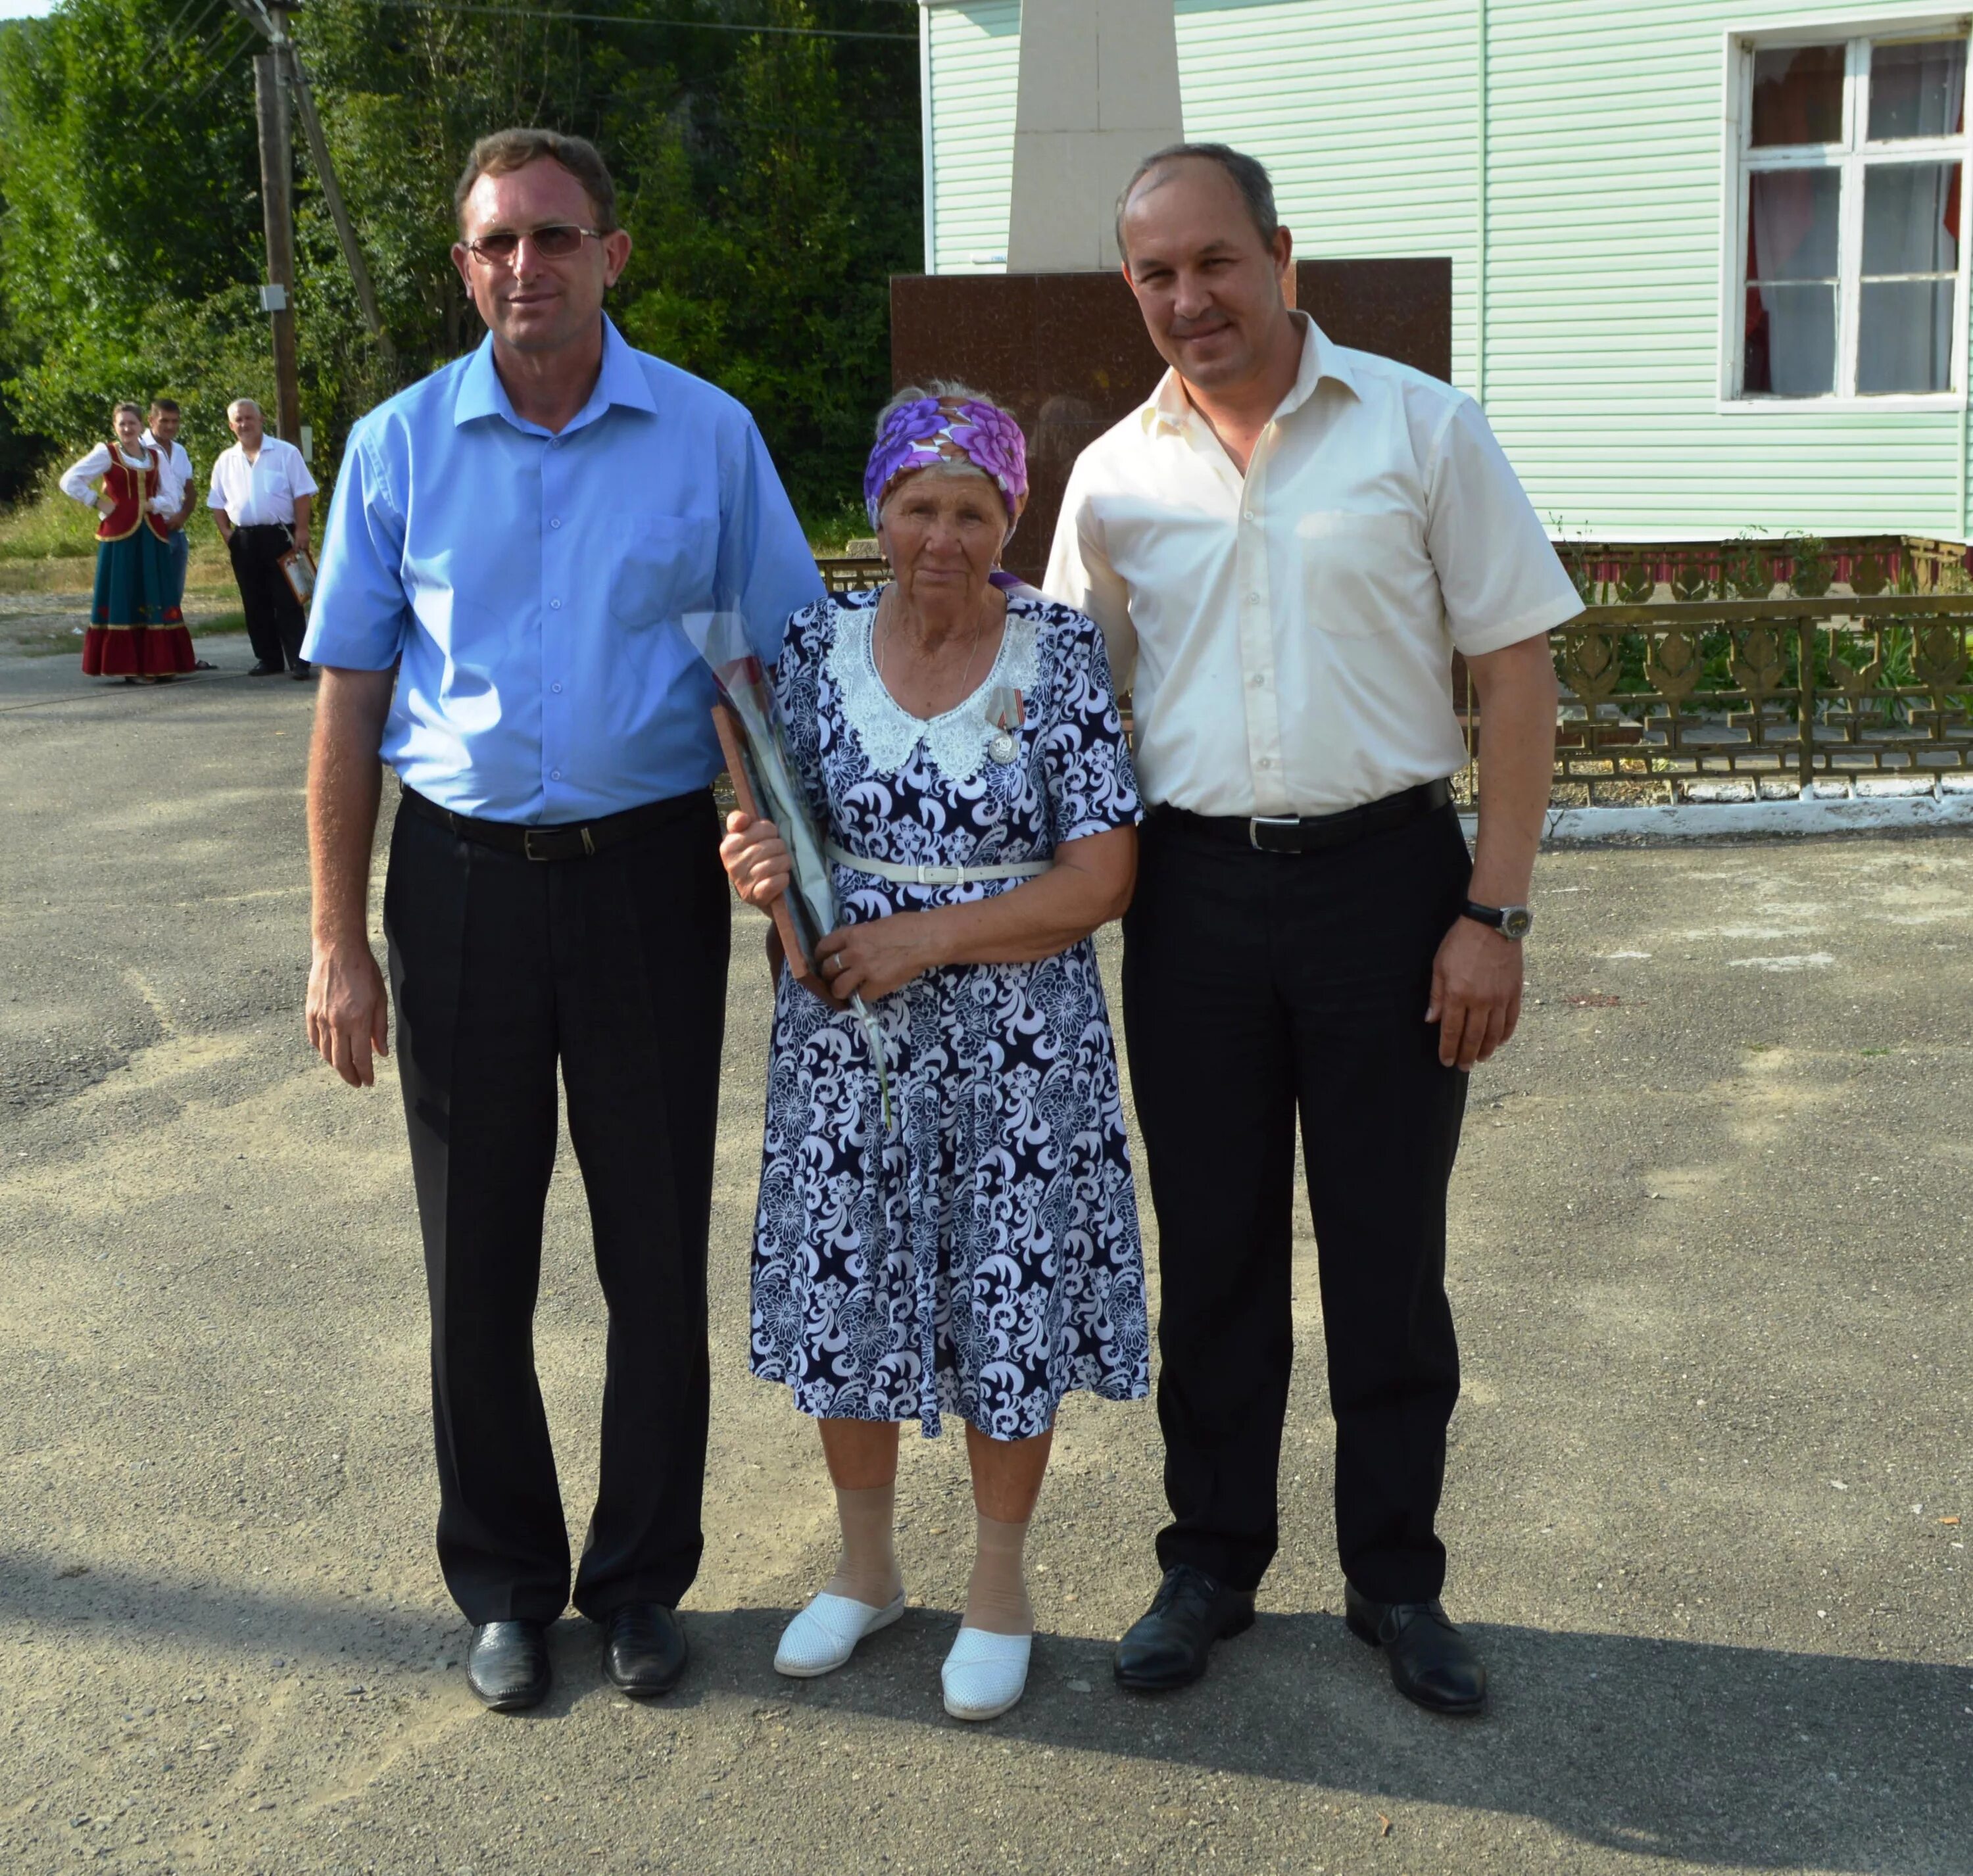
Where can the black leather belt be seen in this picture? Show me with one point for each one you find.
(1286, 833)
(571, 840)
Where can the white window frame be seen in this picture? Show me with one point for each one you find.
(1852, 157)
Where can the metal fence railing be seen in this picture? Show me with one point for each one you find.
(1779, 695)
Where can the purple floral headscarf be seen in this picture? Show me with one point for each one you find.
(932, 430)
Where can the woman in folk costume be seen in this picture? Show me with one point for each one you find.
(135, 628)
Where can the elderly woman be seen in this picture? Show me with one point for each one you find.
(135, 628)
(958, 741)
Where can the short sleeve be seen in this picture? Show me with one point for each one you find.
(766, 570)
(300, 482)
(1499, 575)
(361, 612)
(1092, 785)
(1079, 574)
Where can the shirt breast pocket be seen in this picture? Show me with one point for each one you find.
(663, 567)
(1357, 566)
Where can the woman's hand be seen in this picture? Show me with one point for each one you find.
(873, 959)
(756, 859)
(104, 506)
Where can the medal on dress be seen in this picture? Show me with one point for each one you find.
(1005, 708)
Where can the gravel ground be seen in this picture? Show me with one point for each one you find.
(1711, 1268)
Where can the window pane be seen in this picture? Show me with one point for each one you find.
(1798, 96)
(1904, 336)
(1791, 224)
(1790, 341)
(1911, 218)
(1918, 90)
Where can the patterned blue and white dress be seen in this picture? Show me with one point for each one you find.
(984, 1259)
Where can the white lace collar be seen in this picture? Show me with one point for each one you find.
(956, 741)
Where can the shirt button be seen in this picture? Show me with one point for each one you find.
(1246, 515)
(556, 688)
(1258, 680)
(1253, 599)
(1267, 761)
(554, 606)
(554, 774)
(556, 522)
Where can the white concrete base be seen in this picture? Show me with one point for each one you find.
(1098, 91)
(1752, 820)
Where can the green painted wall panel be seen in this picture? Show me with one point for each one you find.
(973, 63)
(1602, 212)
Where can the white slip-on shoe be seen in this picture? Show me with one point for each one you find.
(985, 1674)
(825, 1635)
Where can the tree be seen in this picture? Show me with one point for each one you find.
(770, 185)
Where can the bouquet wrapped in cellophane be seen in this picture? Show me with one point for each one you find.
(749, 721)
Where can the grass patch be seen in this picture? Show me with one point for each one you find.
(830, 531)
(47, 526)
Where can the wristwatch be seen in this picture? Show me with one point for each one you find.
(1511, 921)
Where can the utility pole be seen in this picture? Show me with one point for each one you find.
(331, 191)
(270, 103)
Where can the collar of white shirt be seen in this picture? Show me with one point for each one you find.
(1170, 408)
(481, 394)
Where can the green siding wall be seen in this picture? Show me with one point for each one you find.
(1602, 215)
(1604, 135)
(972, 59)
(1368, 132)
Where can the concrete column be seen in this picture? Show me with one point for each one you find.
(1098, 92)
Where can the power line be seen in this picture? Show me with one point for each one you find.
(219, 71)
(171, 31)
(551, 15)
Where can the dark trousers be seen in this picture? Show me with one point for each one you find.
(275, 621)
(615, 967)
(180, 550)
(1257, 986)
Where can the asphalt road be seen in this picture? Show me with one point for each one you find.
(1711, 1268)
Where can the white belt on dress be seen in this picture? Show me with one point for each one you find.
(920, 874)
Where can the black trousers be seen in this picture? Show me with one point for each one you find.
(275, 621)
(1257, 986)
(616, 967)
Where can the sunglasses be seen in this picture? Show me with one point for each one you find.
(556, 242)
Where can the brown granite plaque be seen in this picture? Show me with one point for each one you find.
(1068, 354)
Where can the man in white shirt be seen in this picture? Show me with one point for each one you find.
(1285, 545)
(174, 486)
(260, 494)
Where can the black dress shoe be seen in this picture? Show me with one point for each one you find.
(1431, 1663)
(302, 669)
(507, 1664)
(643, 1649)
(267, 667)
(1167, 1646)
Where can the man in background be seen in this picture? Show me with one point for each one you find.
(260, 493)
(174, 485)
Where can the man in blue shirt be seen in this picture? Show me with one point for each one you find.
(519, 536)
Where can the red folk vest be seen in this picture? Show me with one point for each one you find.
(131, 490)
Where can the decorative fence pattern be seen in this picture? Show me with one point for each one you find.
(1738, 687)
(1631, 574)
(1739, 698)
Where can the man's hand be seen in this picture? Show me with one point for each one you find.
(756, 859)
(348, 1010)
(1476, 992)
(878, 956)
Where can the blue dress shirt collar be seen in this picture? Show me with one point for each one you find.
(481, 394)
